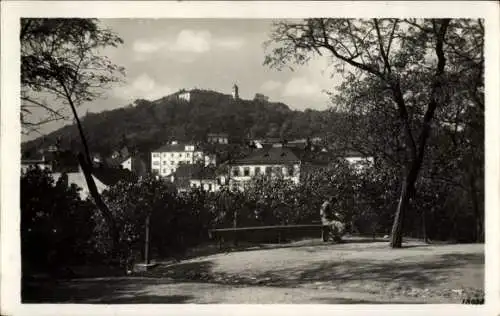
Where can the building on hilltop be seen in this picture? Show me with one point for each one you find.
(184, 95)
(236, 94)
(261, 97)
(166, 159)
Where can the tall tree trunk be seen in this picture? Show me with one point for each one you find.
(397, 226)
(417, 149)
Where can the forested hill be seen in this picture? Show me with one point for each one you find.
(146, 125)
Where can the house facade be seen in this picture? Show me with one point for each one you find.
(41, 163)
(218, 138)
(134, 164)
(273, 162)
(166, 159)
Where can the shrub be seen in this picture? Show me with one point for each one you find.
(56, 225)
(177, 221)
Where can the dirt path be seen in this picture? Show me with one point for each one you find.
(299, 273)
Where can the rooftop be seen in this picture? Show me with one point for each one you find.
(273, 155)
(176, 147)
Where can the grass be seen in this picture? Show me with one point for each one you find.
(309, 271)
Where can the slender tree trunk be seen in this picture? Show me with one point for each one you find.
(424, 226)
(86, 163)
(475, 206)
(147, 259)
(108, 217)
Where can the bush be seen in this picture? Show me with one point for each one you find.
(177, 221)
(56, 225)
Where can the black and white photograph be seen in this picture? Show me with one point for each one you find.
(251, 160)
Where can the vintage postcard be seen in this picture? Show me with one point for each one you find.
(242, 157)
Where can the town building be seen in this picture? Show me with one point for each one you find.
(196, 176)
(273, 162)
(39, 161)
(135, 164)
(166, 159)
(217, 138)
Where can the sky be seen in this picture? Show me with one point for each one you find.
(162, 56)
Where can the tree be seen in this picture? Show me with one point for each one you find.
(404, 64)
(56, 224)
(60, 62)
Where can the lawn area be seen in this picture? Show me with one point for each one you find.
(300, 272)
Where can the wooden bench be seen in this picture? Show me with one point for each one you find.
(221, 234)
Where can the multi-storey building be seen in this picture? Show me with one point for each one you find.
(166, 159)
(275, 161)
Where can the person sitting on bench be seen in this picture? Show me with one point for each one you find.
(332, 225)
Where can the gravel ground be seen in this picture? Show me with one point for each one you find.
(301, 272)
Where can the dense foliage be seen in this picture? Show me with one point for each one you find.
(149, 124)
(405, 81)
(56, 225)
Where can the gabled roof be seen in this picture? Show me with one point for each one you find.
(111, 176)
(273, 155)
(187, 172)
(194, 171)
(64, 161)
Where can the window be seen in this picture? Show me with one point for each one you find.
(246, 171)
(156, 163)
(164, 170)
(171, 155)
(209, 187)
(286, 172)
(164, 162)
(236, 171)
(257, 171)
(156, 155)
(268, 170)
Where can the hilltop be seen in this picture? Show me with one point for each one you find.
(145, 125)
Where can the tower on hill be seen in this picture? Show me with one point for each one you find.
(236, 94)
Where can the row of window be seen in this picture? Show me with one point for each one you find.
(180, 155)
(246, 172)
(172, 162)
(207, 187)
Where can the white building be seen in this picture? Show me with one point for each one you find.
(275, 161)
(185, 95)
(166, 159)
(31, 163)
(358, 160)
